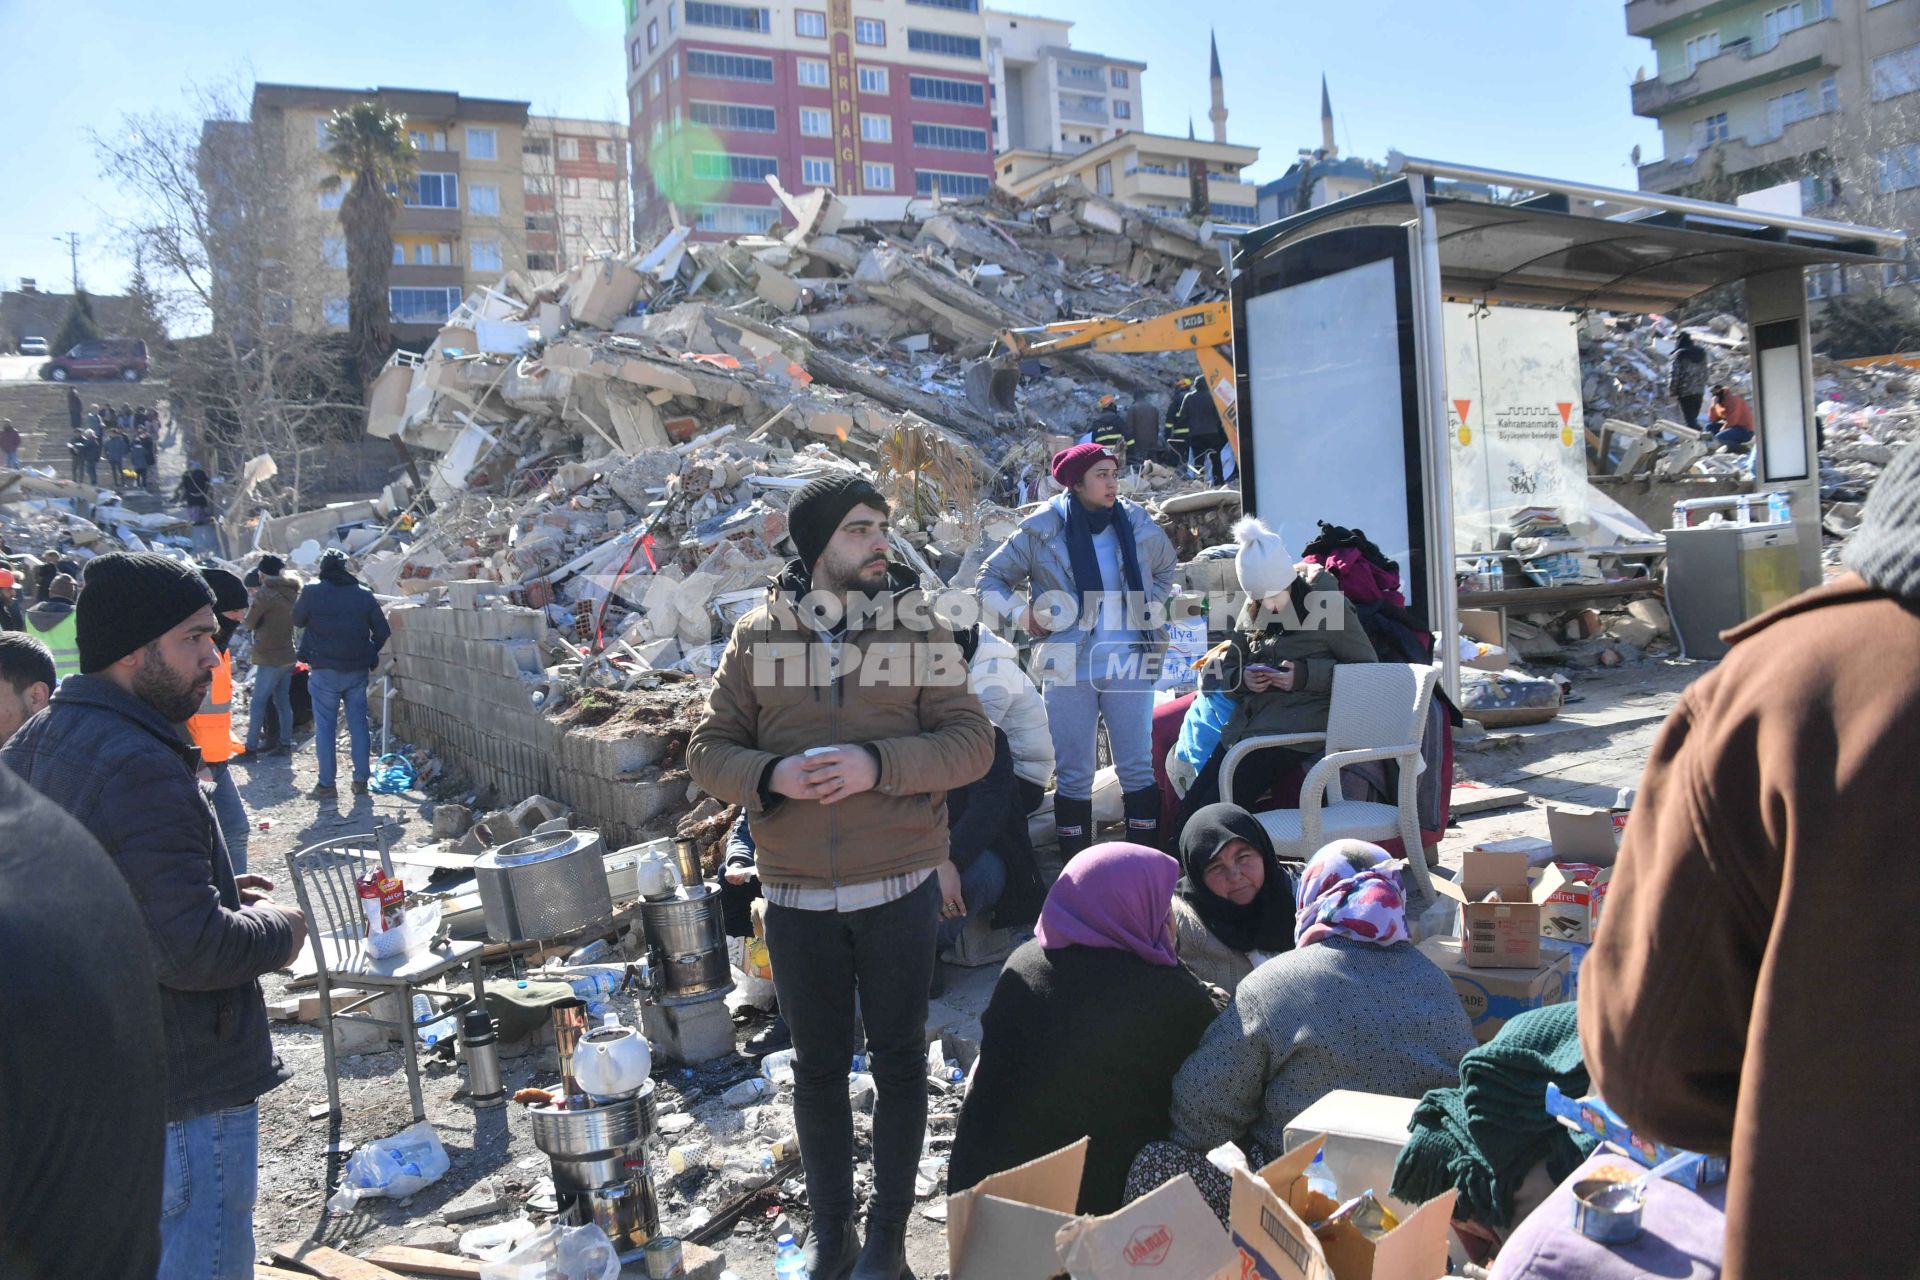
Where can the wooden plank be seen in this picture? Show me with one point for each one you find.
(1470, 800)
(261, 1271)
(330, 1264)
(1547, 599)
(424, 1262)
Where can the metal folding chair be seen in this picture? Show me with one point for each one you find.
(323, 881)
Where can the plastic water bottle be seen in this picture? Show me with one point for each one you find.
(1320, 1178)
(787, 1262)
(431, 1027)
(748, 1091)
(1779, 508)
(777, 1068)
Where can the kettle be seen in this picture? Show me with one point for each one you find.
(612, 1062)
(654, 872)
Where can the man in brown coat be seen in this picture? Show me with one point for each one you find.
(1750, 993)
(840, 717)
(270, 619)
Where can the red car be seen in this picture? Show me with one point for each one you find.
(122, 358)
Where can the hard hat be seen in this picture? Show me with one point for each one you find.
(1184, 383)
(6, 579)
(1105, 401)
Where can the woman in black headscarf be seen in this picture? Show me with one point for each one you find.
(1234, 905)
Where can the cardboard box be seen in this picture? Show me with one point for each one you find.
(1505, 933)
(1362, 1135)
(1591, 1115)
(1487, 626)
(1020, 1225)
(1491, 996)
(1572, 912)
(1539, 852)
(1580, 834)
(1270, 1211)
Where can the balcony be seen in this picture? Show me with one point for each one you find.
(1084, 110)
(1651, 17)
(1086, 79)
(1142, 182)
(1742, 65)
(1740, 154)
(439, 221)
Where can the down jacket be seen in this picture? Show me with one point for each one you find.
(1034, 562)
(271, 620)
(1014, 706)
(904, 697)
(130, 779)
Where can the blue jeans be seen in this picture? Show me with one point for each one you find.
(982, 881)
(231, 814)
(330, 690)
(275, 685)
(13, 459)
(206, 1206)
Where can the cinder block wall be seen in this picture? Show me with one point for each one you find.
(463, 686)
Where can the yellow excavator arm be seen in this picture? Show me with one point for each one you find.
(1206, 330)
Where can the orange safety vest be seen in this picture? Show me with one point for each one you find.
(212, 725)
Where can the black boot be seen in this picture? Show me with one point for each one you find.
(1143, 816)
(831, 1248)
(1073, 821)
(885, 1255)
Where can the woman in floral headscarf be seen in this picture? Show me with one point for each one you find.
(1354, 1005)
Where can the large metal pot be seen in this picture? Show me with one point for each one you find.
(590, 1133)
(544, 886)
(688, 941)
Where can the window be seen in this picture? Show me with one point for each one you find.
(484, 255)
(1701, 47)
(568, 186)
(813, 73)
(543, 262)
(816, 122)
(634, 55)
(733, 219)
(1900, 169)
(540, 222)
(1818, 191)
(869, 31)
(817, 172)
(733, 17)
(538, 184)
(1896, 73)
(1786, 109)
(810, 22)
(653, 34)
(714, 164)
(733, 66)
(422, 306)
(1103, 179)
(333, 252)
(968, 93)
(673, 14)
(729, 115)
(428, 139)
(606, 228)
(942, 42)
(950, 184)
(947, 137)
(322, 136)
(334, 313)
(1709, 131)
(673, 66)
(1122, 109)
(431, 254)
(569, 148)
(606, 188)
(959, 6)
(876, 128)
(536, 147)
(483, 144)
(484, 199)
(873, 80)
(604, 152)
(1237, 214)
(1826, 282)
(876, 177)
(653, 82)
(1118, 77)
(1775, 23)
(433, 191)
(573, 226)
(1829, 95)
(399, 254)
(1903, 272)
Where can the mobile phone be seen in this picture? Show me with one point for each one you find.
(1263, 667)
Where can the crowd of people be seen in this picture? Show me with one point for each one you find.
(884, 756)
(125, 438)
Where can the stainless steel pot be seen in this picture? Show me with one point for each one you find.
(544, 886)
(688, 941)
(595, 1132)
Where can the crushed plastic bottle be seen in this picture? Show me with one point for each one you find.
(1320, 1178)
(431, 1027)
(747, 1092)
(777, 1068)
(788, 1263)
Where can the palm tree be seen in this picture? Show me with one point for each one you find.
(371, 152)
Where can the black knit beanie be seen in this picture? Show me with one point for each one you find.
(229, 592)
(272, 566)
(130, 600)
(1885, 549)
(819, 507)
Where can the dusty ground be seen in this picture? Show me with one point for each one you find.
(1595, 747)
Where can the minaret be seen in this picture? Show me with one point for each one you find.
(1327, 146)
(1219, 113)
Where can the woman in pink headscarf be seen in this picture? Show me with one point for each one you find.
(1086, 1028)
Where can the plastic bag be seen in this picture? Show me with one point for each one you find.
(416, 930)
(492, 1243)
(393, 1167)
(558, 1253)
(1200, 730)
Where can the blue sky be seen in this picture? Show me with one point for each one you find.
(1536, 86)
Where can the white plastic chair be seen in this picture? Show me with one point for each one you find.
(1379, 712)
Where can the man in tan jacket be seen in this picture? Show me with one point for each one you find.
(840, 717)
(1750, 991)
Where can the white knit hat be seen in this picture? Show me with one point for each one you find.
(1263, 562)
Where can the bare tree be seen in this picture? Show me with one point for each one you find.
(205, 211)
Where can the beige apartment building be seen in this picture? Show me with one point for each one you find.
(1145, 171)
(461, 225)
(578, 197)
(1050, 97)
(1752, 95)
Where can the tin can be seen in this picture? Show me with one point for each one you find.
(664, 1259)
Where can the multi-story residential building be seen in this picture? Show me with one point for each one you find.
(1051, 97)
(1753, 94)
(1145, 171)
(867, 97)
(576, 191)
(461, 222)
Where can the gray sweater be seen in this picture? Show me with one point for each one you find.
(1334, 1015)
